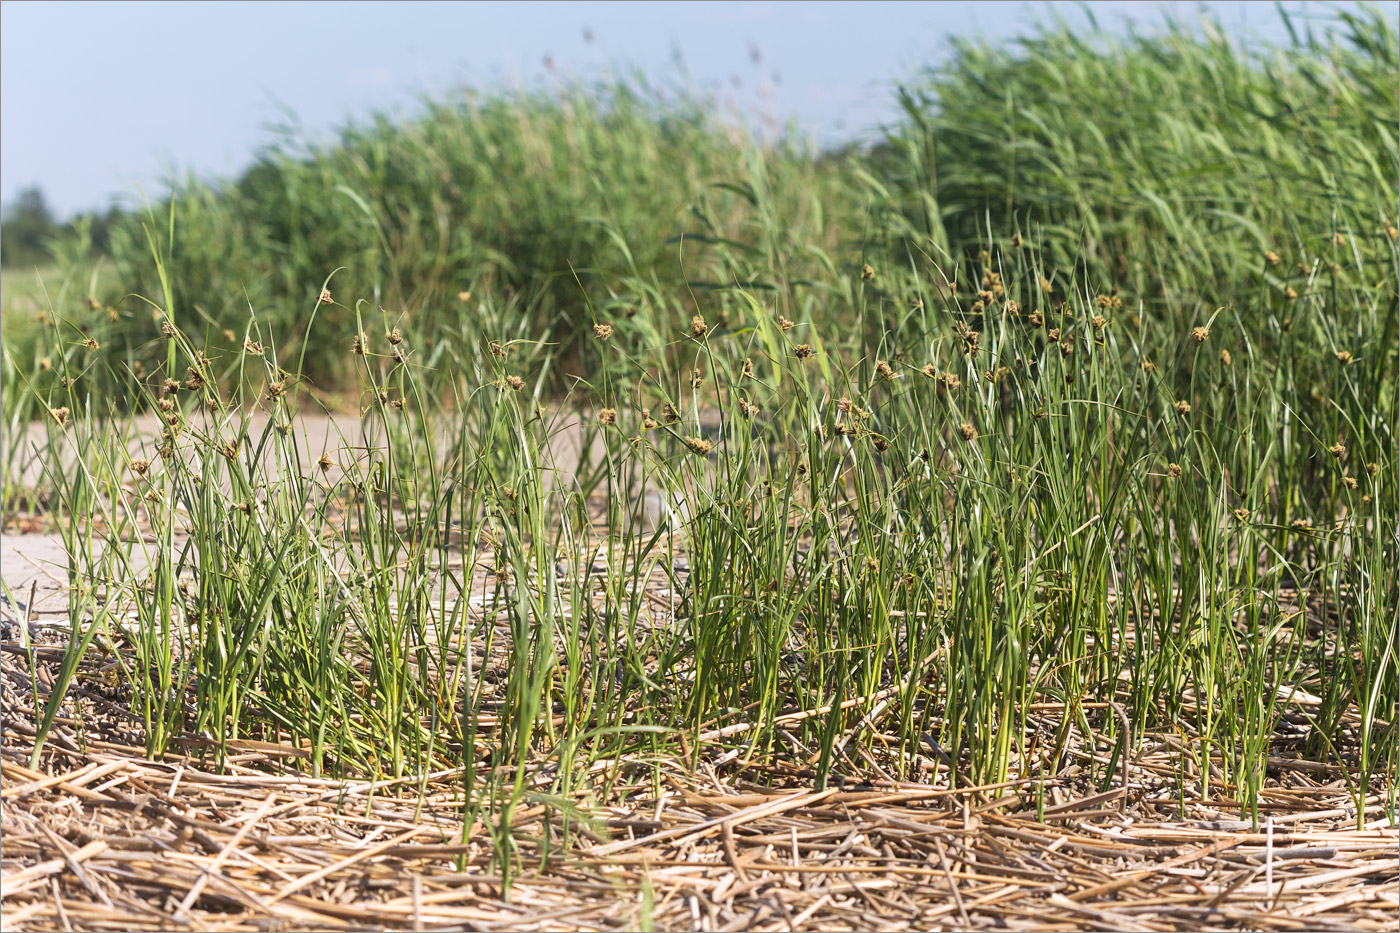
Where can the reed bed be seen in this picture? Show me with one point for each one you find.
(1038, 464)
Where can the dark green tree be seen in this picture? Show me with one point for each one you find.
(26, 227)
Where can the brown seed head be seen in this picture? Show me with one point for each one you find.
(883, 370)
(1372, 469)
(747, 371)
(1290, 293)
(139, 466)
(867, 272)
(464, 297)
(930, 370)
(91, 344)
(325, 463)
(602, 331)
(171, 386)
(395, 337)
(1099, 322)
(1183, 407)
(358, 347)
(607, 416)
(325, 297)
(1225, 357)
(698, 327)
(1301, 524)
(1338, 450)
(784, 324)
(1174, 470)
(1242, 514)
(967, 431)
(1344, 357)
(802, 351)
(1350, 481)
(1271, 257)
(1200, 334)
(1340, 240)
(45, 364)
(515, 382)
(699, 445)
(167, 330)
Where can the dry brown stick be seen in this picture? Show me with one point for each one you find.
(16, 882)
(690, 833)
(232, 844)
(315, 876)
(952, 884)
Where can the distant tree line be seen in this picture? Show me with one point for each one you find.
(28, 228)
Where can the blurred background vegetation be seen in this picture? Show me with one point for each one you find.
(1164, 167)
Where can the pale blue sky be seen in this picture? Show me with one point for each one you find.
(98, 97)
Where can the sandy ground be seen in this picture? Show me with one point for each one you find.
(34, 564)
